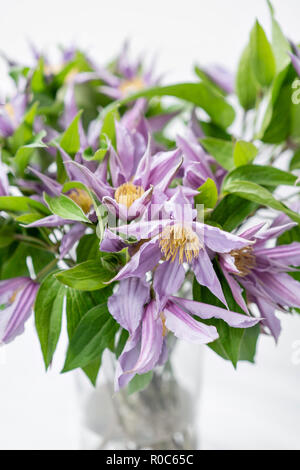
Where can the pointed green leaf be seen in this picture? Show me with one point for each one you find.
(246, 86)
(48, 315)
(244, 152)
(262, 57)
(66, 208)
(139, 382)
(70, 140)
(208, 194)
(89, 275)
(221, 150)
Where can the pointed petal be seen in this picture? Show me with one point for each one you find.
(220, 241)
(207, 311)
(70, 238)
(50, 221)
(206, 276)
(168, 278)
(51, 186)
(185, 327)
(127, 304)
(143, 261)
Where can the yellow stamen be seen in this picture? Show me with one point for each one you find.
(133, 85)
(244, 260)
(127, 193)
(10, 110)
(82, 198)
(163, 319)
(180, 239)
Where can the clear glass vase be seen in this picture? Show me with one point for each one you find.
(162, 416)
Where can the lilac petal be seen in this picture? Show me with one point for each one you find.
(220, 241)
(6, 127)
(142, 229)
(252, 231)
(296, 63)
(221, 77)
(185, 327)
(151, 340)
(125, 148)
(127, 360)
(50, 221)
(193, 153)
(118, 174)
(163, 168)
(111, 242)
(157, 123)
(88, 178)
(193, 177)
(207, 311)
(286, 255)
(127, 304)
(13, 318)
(235, 289)
(9, 286)
(114, 93)
(168, 278)
(206, 276)
(273, 232)
(128, 213)
(143, 169)
(267, 311)
(70, 238)
(70, 109)
(282, 288)
(51, 186)
(143, 261)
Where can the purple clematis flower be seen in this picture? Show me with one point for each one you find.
(129, 77)
(176, 239)
(17, 297)
(135, 177)
(149, 320)
(221, 77)
(262, 271)
(11, 114)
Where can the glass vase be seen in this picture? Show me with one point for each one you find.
(162, 416)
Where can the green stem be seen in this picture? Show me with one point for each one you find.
(46, 270)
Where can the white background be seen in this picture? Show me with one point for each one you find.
(255, 407)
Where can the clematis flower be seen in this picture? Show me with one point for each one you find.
(221, 77)
(149, 320)
(262, 271)
(129, 77)
(134, 177)
(11, 114)
(17, 297)
(178, 239)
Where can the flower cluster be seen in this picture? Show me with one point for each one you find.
(140, 232)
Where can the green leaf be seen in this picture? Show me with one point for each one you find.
(281, 45)
(89, 275)
(139, 382)
(88, 248)
(207, 80)
(246, 85)
(199, 94)
(232, 211)
(66, 208)
(261, 56)
(70, 141)
(108, 127)
(248, 344)
(244, 152)
(221, 150)
(24, 153)
(92, 370)
(260, 174)
(256, 193)
(295, 161)
(48, 315)
(94, 333)
(21, 204)
(80, 302)
(16, 264)
(208, 194)
(38, 84)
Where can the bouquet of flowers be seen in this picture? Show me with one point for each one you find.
(144, 211)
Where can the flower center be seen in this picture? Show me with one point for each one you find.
(179, 239)
(127, 193)
(133, 85)
(244, 260)
(82, 199)
(10, 110)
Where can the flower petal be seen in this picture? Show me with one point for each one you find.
(127, 304)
